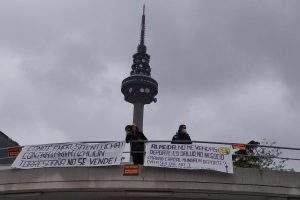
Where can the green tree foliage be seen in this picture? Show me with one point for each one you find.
(255, 156)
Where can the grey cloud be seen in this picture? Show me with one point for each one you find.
(227, 69)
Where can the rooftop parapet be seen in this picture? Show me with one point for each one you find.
(159, 183)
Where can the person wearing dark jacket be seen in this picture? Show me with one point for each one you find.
(137, 143)
(181, 137)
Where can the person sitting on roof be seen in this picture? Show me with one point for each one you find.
(246, 156)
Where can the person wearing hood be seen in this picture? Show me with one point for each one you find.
(181, 137)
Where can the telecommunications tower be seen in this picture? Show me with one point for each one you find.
(139, 88)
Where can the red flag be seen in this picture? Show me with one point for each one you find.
(239, 146)
(13, 151)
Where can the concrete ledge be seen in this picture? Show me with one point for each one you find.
(152, 182)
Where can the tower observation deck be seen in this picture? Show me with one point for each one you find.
(140, 88)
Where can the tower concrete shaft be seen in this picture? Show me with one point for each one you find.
(138, 115)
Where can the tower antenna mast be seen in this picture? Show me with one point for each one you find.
(139, 88)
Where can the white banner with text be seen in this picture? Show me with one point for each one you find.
(70, 155)
(216, 157)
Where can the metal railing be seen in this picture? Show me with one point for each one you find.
(256, 146)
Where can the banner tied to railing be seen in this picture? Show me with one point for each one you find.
(70, 155)
(189, 156)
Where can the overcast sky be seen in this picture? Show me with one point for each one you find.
(228, 69)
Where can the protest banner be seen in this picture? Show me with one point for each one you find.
(70, 155)
(189, 156)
